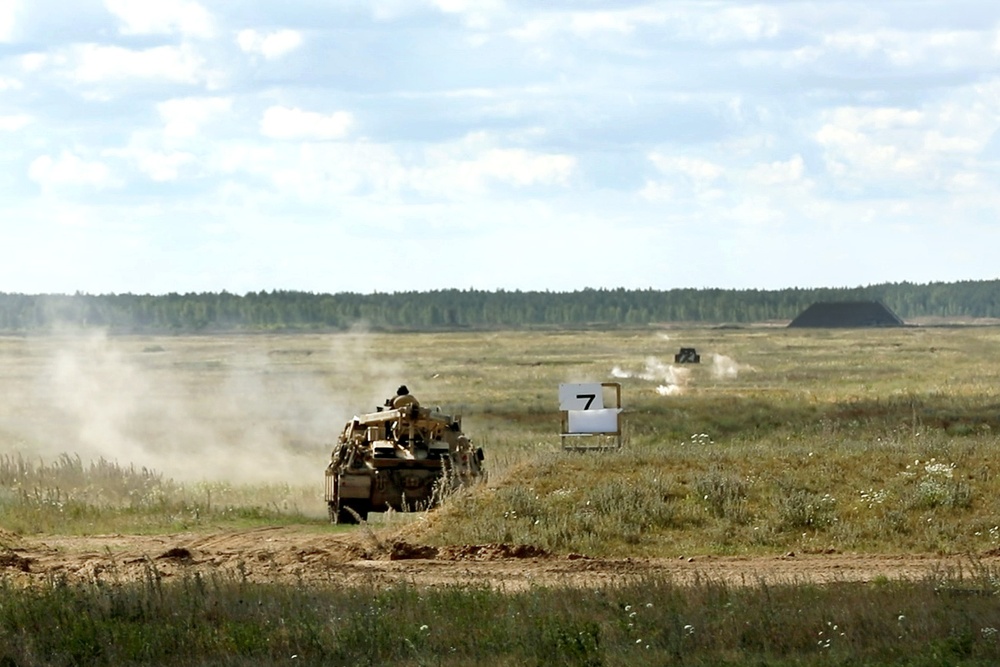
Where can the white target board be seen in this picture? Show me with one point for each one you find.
(591, 412)
(594, 421)
(586, 396)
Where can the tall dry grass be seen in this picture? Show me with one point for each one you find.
(945, 619)
(69, 496)
(931, 493)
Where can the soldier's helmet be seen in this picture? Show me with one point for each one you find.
(403, 398)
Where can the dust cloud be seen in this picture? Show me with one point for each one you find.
(249, 409)
(726, 368)
(676, 380)
(673, 379)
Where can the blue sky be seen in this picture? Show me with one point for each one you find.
(396, 145)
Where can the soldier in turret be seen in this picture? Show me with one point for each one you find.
(403, 399)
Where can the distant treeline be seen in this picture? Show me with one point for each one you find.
(458, 309)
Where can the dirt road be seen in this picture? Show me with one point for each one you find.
(361, 556)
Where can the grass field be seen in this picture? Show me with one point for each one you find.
(869, 441)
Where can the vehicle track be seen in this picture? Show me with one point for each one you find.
(367, 557)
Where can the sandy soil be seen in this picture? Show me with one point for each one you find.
(367, 557)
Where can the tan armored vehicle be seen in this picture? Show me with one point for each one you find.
(402, 457)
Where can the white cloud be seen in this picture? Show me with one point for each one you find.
(683, 177)
(390, 10)
(735, 24)
(879, 118)
(164, 166)
(513, 166)
(475, 14)
(32, 62)
(657, 191)
(860, 158)
(464, 170)
(778, 173)
(710, 25)
(700, 171)
(594, 22)
(467, 6)
(244, 157)
(9, 10)
(752, 212)
(184, 117)
(931, 147)
(152, 159)
(736, 198)
(967, 182)
(15, 122)
(288, 123)
(587, 24)
(861, 44)
(99, 64)
(938, 142)
(69, 169)
(476, 164)
(907, 49)
(270, 45)
(162, 17)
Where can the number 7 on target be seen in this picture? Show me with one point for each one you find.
(581, 396)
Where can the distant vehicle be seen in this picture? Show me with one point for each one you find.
(402, 457)
(687, 355)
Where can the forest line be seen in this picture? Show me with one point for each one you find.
(453, 309)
